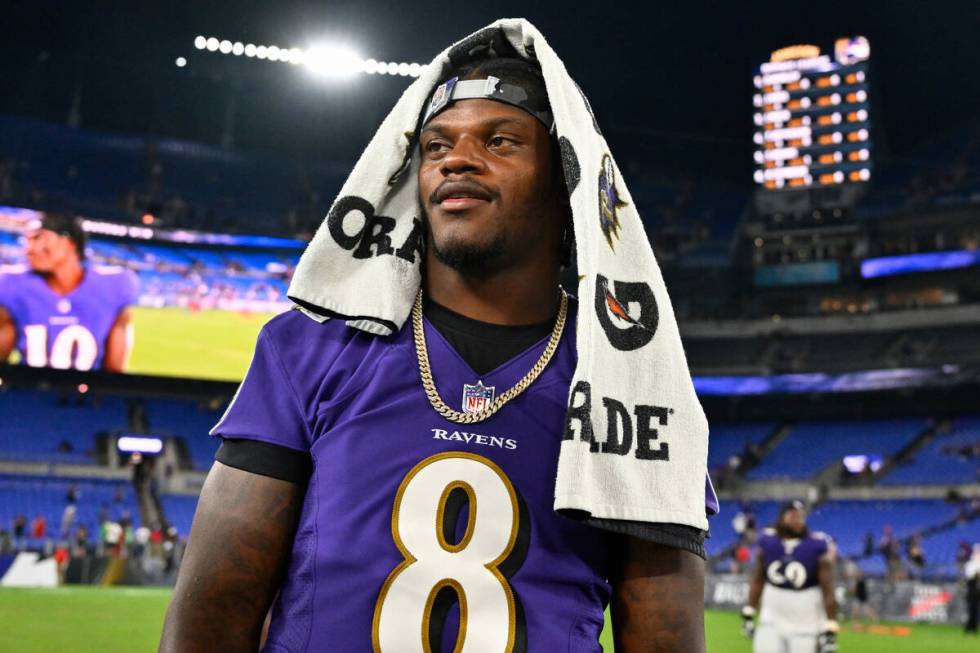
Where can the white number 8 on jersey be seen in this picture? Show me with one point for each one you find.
(489, 612)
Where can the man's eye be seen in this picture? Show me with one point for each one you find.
(434, 146)
(498, 141)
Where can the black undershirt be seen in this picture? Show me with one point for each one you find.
(484, 347)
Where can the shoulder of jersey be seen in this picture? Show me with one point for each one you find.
(13, 269)
(109, 270)
(293, 322)
(820, 535)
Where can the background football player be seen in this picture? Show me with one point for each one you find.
(382, 545)
(792, 588)
(59, 311)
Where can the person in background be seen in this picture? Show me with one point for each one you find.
(62, 558)
(971, 574)
(869, 544)
(792, 590)
(915, 554)
(68, 519)
(39, 527)
(858, 589)
(20, 530)
(58, 311)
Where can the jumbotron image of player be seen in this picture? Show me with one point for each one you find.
(792, 589)
(334, 499)
(59, 311)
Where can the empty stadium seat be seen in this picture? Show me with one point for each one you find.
(187, 420)
(56, 427)
(727, 440)
(938, 462)
(811, 446)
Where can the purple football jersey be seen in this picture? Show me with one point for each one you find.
(65, 331)
(414, 527)
(792, 563)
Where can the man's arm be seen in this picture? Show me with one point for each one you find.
(658, 599)
(751, 607)
(8, 334)
(242, 534)
(827, 640)
(757, 583)
(119, 343)
(825, 574)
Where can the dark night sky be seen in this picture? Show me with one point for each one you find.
(670, 82)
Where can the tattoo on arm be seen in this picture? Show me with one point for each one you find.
(239, 543)
(658, 599)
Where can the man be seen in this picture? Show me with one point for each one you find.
(366, 518)
(794, 585)
(60, 312)
(971, 574)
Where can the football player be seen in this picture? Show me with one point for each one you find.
(370, 521)
(792, 589)
(59, 311)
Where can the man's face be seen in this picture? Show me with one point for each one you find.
(794, 521)
(46, 250)
(487, 183)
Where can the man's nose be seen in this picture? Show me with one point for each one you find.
(465, 156)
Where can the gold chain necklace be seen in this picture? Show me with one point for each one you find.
(472, 418)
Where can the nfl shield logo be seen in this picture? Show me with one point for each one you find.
(477, 398)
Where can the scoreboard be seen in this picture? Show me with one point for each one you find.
(812, 117)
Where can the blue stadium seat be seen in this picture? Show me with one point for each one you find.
(46, 496)
(56, 428)
(940, 548)
(811, 446)
(727, 440)
(848, 521)
(938, 462)
(187, 420)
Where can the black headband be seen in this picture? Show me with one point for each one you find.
(490, 88)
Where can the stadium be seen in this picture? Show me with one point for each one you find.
(809, 182)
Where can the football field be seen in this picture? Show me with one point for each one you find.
(202, 344)
(128, 620)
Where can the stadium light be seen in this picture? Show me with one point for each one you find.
(139, 444)
(326, 61)
(181, 62)
(333, 61)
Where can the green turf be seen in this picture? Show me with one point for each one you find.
(204, 344)
(111, 620)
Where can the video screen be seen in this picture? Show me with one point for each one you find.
(81, 294)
